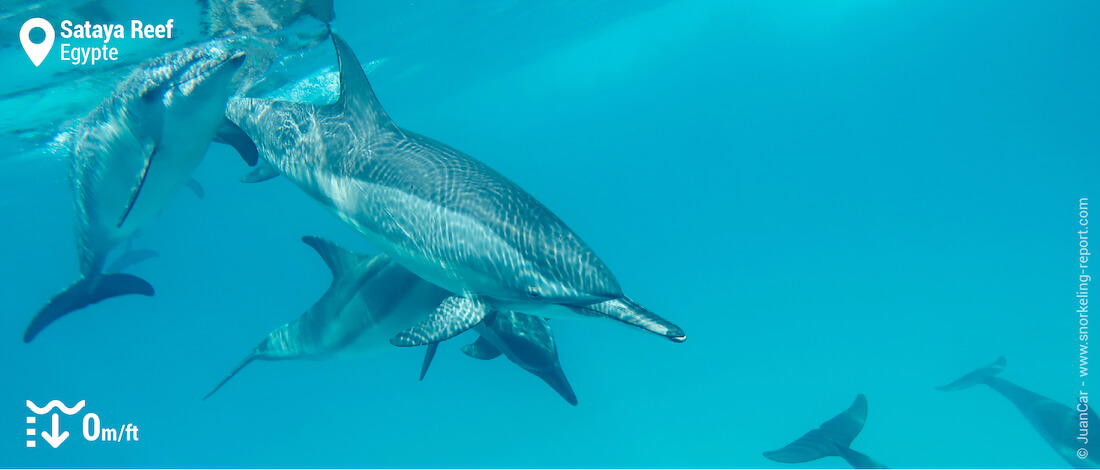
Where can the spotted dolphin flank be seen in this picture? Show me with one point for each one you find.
(833, 438)
(371, 298)
(1058, 424)
(445, 216)
(130, 155)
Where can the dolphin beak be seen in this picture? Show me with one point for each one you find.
(556, 380)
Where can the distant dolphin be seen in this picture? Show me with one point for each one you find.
(371, 298)
(526, 340)
(833, 438)
(131, 154)
(1059, 424)
(448, 218)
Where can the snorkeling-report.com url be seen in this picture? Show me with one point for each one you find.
(1082, 306)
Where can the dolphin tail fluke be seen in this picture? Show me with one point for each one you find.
(429, 354)
(976, 377)
(833, 438)
(251, 357)
(83, 293)
(630, 312)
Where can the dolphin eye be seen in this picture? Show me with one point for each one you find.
(533, 293)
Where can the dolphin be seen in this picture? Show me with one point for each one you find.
(526, 340)
(131, 154)
(1058, 424)
(833, 438)
(368, 301)
(371, 298)
(232, 17)
(445, 216)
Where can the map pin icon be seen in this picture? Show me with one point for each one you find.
(37, 52)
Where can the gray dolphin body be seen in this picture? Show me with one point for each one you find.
(1058, 424)
(372, 298)
(833, 438)
(130, 155)
(445, 216)
(526, 340)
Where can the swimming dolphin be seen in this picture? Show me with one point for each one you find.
(526, 340)
(443, 215)
(833, 438)
(1057, 423)
(130, 155)
(232, 17)
(371, 298)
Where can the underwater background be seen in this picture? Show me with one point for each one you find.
(829, 197)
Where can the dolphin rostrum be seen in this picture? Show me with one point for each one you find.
(445, 216)
(131, 154)
(372, 298)
(833, 438)
(1060, 425)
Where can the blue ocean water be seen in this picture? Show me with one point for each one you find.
(830, 197)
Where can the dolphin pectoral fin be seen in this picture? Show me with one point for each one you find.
(453, 316)
(428, 355)
(263, 172)
(481, 349)
(628, 311)
(82, 294)
(195, 187)
(251, 357)
(833, 438)
(976, 377)
(230, 133)
(149, 154)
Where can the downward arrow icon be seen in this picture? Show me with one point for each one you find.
(55, 439)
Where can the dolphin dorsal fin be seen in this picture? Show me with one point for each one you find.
(355, 90)
(340, 260)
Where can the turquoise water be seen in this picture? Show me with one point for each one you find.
(830, 197)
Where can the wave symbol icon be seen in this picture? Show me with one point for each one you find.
(55, 404)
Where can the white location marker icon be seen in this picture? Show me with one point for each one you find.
(37, 52)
